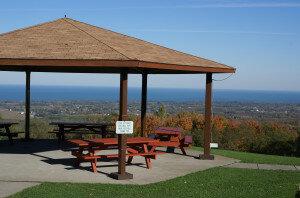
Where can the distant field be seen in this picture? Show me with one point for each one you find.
(255, 158)
(215, 182)
(11, 115)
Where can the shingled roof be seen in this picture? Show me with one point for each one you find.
(68, 45)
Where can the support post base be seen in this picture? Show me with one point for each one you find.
(27, 139)
(119, 176)
(209, 157)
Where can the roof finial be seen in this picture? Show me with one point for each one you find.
(65, 16)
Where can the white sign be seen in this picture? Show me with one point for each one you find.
(213, 145)
(124, 127)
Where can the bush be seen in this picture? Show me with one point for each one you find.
(248, 136)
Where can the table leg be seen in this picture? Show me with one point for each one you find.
(148, 163)
(78, 159)
(130, 158)
(103, 129)
(182, 147)
(9, 135)
(183, 150)
(147, 159)
(152, 149)
(93, 161)
(93, 164)
(60, 134)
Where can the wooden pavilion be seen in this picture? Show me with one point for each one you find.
(66, 45)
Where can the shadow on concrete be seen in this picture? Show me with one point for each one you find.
(36, 146)
(195, 157)
(175, 152)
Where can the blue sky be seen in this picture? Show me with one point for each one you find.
(260, 38)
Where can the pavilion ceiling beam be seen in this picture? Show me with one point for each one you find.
(113, 65)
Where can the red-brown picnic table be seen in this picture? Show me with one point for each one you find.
(136, 146)
(171, 137)
(7, 132)
(80, 128)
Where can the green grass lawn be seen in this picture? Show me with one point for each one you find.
(255, 158)
(215, 182)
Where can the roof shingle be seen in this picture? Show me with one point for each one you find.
(65, 39)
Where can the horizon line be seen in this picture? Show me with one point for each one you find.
(93, 86)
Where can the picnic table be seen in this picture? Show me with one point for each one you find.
(171, 137)
(7, 131)
(136, 146)
(80, 128)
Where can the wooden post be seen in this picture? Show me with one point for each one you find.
(122, 139)
(144, 105)
(207, 127)
(27, 104)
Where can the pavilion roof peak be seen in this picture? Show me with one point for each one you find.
(68, 39)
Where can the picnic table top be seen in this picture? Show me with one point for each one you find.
(7, 123)
(169, 130)
(83, 124)
(111, 141)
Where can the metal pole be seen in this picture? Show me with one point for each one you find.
(122, 139)
(27, 104)
(207, 127)
(144, 105)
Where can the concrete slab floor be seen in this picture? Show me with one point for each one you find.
(42, 160)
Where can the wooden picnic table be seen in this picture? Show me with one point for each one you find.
(81, 128)
(7, 132)
(171, 137)
(136, 146)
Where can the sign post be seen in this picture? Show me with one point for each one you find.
(122, 129)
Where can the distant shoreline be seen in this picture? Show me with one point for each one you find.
(52, 93)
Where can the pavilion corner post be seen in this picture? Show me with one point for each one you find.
(27, 108)
(122, 138)
(207, 127)
(144, 105)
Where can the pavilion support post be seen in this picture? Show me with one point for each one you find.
(144, 105)
(122, 138)
(27, 108)
(207, 127)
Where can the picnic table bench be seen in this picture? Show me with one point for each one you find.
(7, 131)
(171, 137)
(136, 146)
(80, 128)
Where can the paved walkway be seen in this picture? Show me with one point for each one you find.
(263, 166)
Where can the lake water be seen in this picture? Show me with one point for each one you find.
(48, 93)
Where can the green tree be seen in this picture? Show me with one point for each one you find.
(161, 113)
(39, 129)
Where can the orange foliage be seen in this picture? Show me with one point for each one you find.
(219, 123)
(153, 122)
